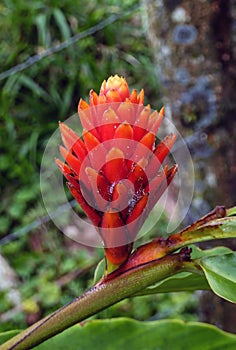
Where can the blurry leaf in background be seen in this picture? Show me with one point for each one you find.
(124, 333)
(32, 101)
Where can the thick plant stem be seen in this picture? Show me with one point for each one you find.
(102, 295)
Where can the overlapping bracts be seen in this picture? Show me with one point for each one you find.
(114, 170)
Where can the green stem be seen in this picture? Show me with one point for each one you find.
(104, 294)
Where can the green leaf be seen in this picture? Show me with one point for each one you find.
(99, 271)
(4, 336)
(186, 281)
(231, 211)
(198, 253)
(33, 86)
(62, 23)
(229, 226)
(126, 334)
(220, 272)
(41, 23)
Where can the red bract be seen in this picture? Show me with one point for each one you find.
(114, 170)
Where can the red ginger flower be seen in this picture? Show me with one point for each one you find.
(114, 171)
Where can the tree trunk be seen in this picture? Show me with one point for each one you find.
(194, 50)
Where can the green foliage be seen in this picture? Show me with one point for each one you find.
(130, 334)
(221, 274)
(191, 281)
(182, 306)
(33, 100)
(4, 336)
(50, 271)
(125, 334)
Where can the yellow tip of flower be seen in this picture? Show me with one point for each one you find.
(114, 153)
(115, 88)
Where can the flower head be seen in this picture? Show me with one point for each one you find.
(114, 170)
